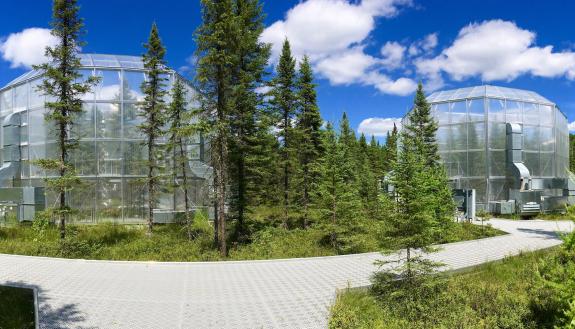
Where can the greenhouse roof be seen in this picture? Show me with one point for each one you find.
(490, 92)
(91, 61)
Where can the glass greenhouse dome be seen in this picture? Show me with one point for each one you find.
(110, 157)
(473, 143)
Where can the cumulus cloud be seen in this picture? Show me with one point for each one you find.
(497, 50)
(392, 53)
(572, 126)
(26, 48)
(425, 45)
(333, 34)
(378, 127)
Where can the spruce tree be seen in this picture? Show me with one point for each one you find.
(308, 133)
(216, 40)
(336, 199)
(246, 111)
(152, 111)
(178, 118)
(61, 85)
(391, 149)
(423, 127)
(284, 107)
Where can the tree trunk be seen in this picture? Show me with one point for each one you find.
(221, 161)
(151, 192)
(184, 163)
(305, 195)
(286, 170)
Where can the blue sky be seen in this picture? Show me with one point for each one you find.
(367, 54)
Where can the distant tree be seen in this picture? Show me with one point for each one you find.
(247, 75)
(61, 83)
(308, 134)
(152, 110)
(572, 153)
(390, 152)
(216, 40)
(336, 199)
(284, 105)
(178, 117)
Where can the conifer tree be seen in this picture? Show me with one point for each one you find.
(61, 84)
(391, 149)
(152, 111)
(216, 40)
(177, 119)
(336, 199)
(308, 132)
(423, 127)
(284, 107)
(246, 111)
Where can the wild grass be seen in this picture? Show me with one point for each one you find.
(494, 295)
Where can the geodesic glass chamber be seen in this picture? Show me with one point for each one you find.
(472, 140)
(110, 157)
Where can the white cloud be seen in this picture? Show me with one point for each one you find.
(498, 50)
(392, 53)
(572, 126)
(26, 48)
(333, 34)
(378, 126)
(425, 45)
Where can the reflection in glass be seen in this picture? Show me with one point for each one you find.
(109, 85)
(109, 120)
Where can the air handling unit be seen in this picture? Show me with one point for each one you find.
(511, 146)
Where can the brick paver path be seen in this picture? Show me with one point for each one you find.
(293, 293)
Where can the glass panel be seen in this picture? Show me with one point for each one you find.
(6, 100)
(443, 138)
(458, 112)
(108, 118)
(109, 86)
(476, 135)
(84, 158)
(476, 109)
(459, 137)
(85, 74)
(480, 186)
(83, 199)
(109, 158)
(497, 190)
(37, 126)
(458, 164)
(194, 152)
(109, 196)
(531, 114)
(131, 86)
(131, 122)
(497, 163)
(84, 124)
(513, 112)
(21, 97)
(36, 96)
(546, 115)
(476, 163)
(135, 155)
(135, 200)
(496, 110)
(531, 161)
(547, 164)
(497, 135)
(531, 138)
(547, 139)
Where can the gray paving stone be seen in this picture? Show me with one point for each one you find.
(293, 293)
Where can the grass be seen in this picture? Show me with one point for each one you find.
(16, 308)
(494, 295)
(169, 242)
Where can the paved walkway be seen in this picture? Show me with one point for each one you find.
(293, 293)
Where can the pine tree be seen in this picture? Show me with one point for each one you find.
(308, 132)
(151, 109)
(284, 107)
(391, 149)
(61, 84)
(248, 74)
(178, 118)
(216, 51)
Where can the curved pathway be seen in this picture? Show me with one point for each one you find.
(293, 293)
